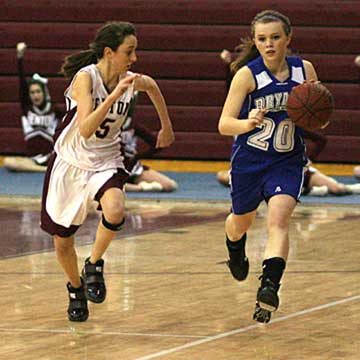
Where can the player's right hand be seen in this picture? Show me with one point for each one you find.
(123, 84)
(20, 49)
(256, 117)
(165, 137)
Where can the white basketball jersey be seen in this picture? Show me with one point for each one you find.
(101, 151)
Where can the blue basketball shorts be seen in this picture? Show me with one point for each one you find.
(250, 187)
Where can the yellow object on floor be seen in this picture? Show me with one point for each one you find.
(215, 166)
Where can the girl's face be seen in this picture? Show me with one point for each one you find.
(36, 94)
(271, 41)
(125, 55)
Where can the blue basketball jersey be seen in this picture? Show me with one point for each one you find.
(277, 139)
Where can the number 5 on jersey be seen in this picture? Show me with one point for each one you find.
(105, 128)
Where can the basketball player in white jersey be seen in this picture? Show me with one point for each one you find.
(87, 164)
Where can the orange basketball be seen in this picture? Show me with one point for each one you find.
(310, 106)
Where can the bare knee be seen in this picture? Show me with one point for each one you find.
(114, 215)
(112, 204)
(278, 223)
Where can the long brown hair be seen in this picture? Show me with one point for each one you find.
(111, 35)
(248, 50)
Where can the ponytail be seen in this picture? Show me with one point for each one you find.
(73, 63)
(248, 52)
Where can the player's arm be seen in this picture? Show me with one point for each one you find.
(89, 120)
(310, 72)
(242, 84)
(166, 134)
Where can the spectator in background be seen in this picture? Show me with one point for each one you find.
(39, 120)
(315, 182)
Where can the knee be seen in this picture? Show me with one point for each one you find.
(278, 223)
(113, 208)
(114, 215)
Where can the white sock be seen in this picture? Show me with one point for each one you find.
(353, 188)
(319, 191)
(153, 186)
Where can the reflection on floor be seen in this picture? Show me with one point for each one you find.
(170, 295)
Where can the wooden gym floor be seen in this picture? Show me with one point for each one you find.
(170, 295)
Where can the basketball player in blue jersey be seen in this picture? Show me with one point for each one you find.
(268, 154)
(87, 164)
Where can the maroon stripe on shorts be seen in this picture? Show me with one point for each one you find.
(118, 180)
(46, 223)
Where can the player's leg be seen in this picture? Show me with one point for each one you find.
(280, 208)
(67, 257)
(236, 227)
(245, 196)
(60, 175)
(282, 188)
(113, 206)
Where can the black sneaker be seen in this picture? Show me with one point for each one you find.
(267, 300)
(78, 309)
(238, 262)
(92, 274)
(261, 315)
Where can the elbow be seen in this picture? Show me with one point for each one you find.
(222, 128)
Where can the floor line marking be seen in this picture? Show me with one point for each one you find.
(69, 331)
(247, 328)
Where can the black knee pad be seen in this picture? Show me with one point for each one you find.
(112, 227)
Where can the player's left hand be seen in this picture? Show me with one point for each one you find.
(165, 137)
